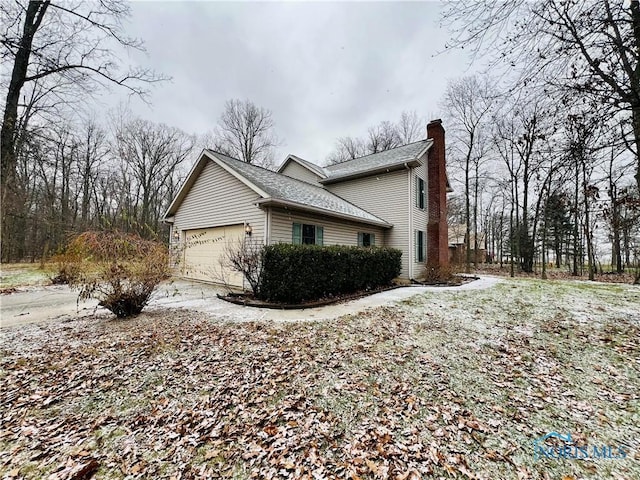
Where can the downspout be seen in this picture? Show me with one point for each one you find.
(267, 227)
(411, 239)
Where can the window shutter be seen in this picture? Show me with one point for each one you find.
(417, 244)
(319, 235)
(421, 251)
(373, 239)
(360, 239)
(297, 234)
(420, 193)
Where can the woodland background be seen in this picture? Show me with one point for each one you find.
(543, 159)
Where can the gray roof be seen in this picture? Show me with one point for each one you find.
(378, 161)
(280, 187)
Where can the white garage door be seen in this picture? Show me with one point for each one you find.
(204, 254)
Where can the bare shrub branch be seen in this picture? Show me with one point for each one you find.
(120, 270)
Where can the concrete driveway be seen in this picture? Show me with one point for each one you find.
(41, 303)
(37, 304)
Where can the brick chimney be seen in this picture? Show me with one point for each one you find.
(437, 229)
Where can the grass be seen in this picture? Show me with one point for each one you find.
(14, 275)
(450, 384)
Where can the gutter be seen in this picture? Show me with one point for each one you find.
(367, 173)
(329, 213)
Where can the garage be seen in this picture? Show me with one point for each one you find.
(204, 254)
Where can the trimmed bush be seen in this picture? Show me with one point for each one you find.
(298, 273)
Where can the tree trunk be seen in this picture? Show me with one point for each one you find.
(575, 223)
(467, 206)
(635, 107)
(475, 217)
(587, 226)
(33, 18)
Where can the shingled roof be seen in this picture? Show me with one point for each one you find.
(377, 162)
(286, 191)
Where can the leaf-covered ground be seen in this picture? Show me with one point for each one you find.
(446, 384)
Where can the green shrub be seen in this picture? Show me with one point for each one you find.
(297, 273)
(120, 270)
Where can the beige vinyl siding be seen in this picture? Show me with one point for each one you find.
(336, 232)
(385, 196)
(420, 217)
(219, 199)
(295, 170)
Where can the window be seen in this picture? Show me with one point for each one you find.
(366, 239)
(421, 244)
(308, 234)
(303, 233)
(420, 193)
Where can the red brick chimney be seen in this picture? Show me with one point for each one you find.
(437, 229)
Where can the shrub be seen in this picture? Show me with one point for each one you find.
(120, 270)
(438, 274)
(245, 256)
(65, 269)
(296, 273)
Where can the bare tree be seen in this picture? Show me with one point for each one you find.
(245, 131)
(57, 44)
(93, 151)
(520, 139)
(590, 47)
(346, 148)
(410, 127)
(469, 101)
(384, 136)
(152, 154)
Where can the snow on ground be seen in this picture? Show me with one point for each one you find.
(433, 383)
(202, 298)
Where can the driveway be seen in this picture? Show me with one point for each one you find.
(37, 304)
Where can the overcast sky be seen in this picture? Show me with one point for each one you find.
(324, 69)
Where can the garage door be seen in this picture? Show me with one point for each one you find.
(204, 254)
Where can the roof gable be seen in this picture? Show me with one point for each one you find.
(312, 167)
(278, 188)
(295, 192)
(193, 175)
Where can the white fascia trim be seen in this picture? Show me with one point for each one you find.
(230, 170)
(373, 171)
(293, 158)
(184, 184)
(329, 213)
(284, 164)
(425, 149)
(303, 163)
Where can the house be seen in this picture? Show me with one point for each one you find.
(458, 245)
(395, 198)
